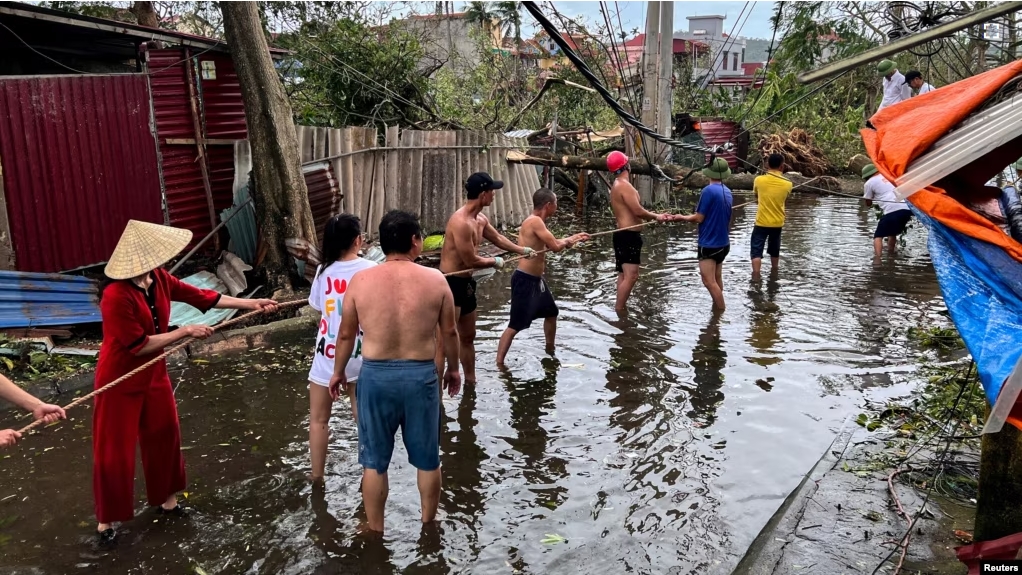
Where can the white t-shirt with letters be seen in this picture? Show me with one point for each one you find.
(326, 297)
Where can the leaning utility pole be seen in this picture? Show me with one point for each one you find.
(657, 70)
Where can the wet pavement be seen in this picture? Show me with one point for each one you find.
(658, 443)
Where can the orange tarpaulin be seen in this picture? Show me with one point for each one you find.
(906, 131)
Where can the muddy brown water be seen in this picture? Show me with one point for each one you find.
(659, 443)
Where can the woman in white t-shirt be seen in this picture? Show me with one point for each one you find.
(342, 241)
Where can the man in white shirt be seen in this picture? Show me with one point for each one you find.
(914, 79)
(895, 88)
(896, 212)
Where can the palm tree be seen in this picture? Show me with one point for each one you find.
(479, 13)
(510, 17)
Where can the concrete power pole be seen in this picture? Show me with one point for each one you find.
(661, 189)
(658, 71)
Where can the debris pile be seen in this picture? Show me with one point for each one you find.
(800, 152)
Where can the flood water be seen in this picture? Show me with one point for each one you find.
(659, 443)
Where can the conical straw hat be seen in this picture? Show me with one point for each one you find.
(144, 247)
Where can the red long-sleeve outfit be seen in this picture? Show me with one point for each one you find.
(142, 409)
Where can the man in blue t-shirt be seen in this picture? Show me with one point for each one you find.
(713, 214)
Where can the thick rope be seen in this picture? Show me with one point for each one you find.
(592, 235)
(159, 358)
(283, 305)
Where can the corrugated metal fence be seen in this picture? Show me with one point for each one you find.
(419, 171)
(78, 161)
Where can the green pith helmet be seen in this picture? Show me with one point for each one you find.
(717, 170)
(868, 171)
(885, 67)
(1018, 165)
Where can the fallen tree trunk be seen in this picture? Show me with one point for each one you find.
(686, 177)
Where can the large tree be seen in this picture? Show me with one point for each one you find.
(281, 198)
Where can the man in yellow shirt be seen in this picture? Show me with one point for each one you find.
(771, 191)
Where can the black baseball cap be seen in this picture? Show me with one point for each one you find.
(480, 182)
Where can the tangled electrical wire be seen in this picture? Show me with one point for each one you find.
(584, 69)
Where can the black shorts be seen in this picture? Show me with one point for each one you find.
(715, 254)
(770, 236)
(464, 291)
(530, 299)
(893, 224)
(627, 248)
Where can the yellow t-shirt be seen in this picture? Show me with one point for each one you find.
(771, 190)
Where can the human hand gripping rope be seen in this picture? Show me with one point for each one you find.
(592, 235)
(167, 352)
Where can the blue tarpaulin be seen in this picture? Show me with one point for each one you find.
(982, 287)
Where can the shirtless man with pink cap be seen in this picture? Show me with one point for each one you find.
(628, 212)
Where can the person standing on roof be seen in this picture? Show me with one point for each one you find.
(914, 79)
(895, 88)
(628, 213)
(896, 213)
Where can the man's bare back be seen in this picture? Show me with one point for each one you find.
(460, 227)
(401, 325)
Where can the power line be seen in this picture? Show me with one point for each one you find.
(766, 69)
(595, 83)
(731, 38)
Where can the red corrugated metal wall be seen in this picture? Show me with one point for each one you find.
(717, 132)
(223, 114)
(76, 151)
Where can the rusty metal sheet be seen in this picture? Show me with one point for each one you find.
(718, 132)
(33, 300)
(323, 189)
(78, 161)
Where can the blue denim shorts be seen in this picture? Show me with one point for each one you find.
(393, 394)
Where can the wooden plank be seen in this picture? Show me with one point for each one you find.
(368, 140)
(204, 141)
(418, 188)
(357, 175)
(334, 143)
(346, 177)
(7, 258)
(392, 159)
(21, 333)
(376, 208)
(199, 136)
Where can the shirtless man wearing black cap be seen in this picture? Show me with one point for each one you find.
(465, 230)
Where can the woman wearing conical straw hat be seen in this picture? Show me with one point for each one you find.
(141, 410)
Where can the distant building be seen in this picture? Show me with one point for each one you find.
(727, 53)
(453, 38)
(683, 50)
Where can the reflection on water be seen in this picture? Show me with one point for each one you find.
(658, 442)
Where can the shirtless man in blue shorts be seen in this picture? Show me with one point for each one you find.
(530, 295)
(398, 387)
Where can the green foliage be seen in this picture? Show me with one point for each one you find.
(21, 361)
(492, 94)
(346, 73)
(942, 338)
